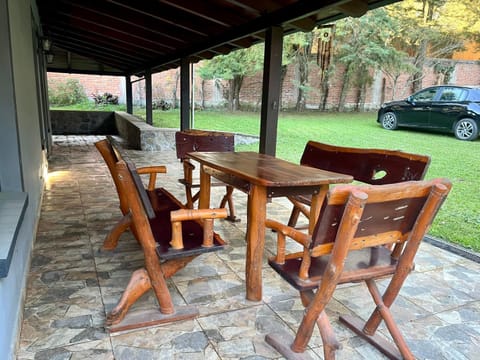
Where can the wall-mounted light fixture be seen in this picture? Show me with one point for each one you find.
(49, 56)
(46, 45)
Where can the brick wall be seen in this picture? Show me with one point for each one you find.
(381, 89)
(93, 84)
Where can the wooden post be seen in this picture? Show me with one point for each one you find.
(184, 94)
(128, 93)
(271, 90)
(148, 96)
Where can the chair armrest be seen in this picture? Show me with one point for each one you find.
(205, 215)
(152, 171)
(283, 231)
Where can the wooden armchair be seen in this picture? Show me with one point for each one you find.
(357, 227)
(200, 140)
(369, 166)
(170, 236)
(111, 156)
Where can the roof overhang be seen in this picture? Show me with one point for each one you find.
(124, 37)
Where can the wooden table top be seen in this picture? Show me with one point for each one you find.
(266, 170)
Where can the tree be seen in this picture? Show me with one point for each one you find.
(233, 67)
(297, 49)
(362, 45)
(433, 29)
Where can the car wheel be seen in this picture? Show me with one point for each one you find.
(389, 121)
(466, 129)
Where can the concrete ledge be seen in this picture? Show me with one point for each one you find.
(142, 136)
(453, 248)
(139, 135)
(12, 209)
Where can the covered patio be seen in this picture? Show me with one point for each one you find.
(72, 284)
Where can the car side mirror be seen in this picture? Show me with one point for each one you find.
(410, 100)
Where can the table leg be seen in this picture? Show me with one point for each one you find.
(317, 201)
(205, 182)
(256, 215)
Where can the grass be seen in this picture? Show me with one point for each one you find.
(459, 219)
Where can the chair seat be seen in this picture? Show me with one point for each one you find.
(163, 203)
(359, 265)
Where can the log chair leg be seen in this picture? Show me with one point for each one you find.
(189, 196)
(228, 199)
(138, 285)
(329, 340)
(330, 343)
(367, 330)
(386, 315)
(112, 238)
(292, 221)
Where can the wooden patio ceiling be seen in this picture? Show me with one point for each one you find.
(125, 37)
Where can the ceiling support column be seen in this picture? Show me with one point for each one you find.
(148, 97)
(128, 94)
(272, 67)
(184, 94)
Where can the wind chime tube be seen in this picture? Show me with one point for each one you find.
(325, 48)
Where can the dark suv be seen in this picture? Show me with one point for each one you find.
(454, 109)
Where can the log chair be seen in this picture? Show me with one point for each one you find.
(200, 140)
(111, 156)
(363, 233)
(170, 236)
(369, 166)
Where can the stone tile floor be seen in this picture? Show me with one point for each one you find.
(72, 285)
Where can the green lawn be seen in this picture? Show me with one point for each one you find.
(459, 218)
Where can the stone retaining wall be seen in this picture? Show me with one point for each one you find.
(70, 122)
(128, 129)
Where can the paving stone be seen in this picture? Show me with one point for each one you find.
(72, 283)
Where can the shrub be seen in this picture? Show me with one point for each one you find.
(105, 99)
(161, 104)
(67, 92)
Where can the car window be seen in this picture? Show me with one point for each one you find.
(453, 94)
(425, 95)
(474, 95)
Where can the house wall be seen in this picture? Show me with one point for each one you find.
(22, 160)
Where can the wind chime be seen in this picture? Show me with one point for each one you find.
(324, 53)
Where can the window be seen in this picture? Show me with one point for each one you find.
(425, 95)
(453, 94)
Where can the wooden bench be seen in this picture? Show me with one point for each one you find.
(363, 233)
(111, 156)
(170, 236)
(200, 140)
(369, 166)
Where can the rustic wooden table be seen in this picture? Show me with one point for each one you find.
(261, 177)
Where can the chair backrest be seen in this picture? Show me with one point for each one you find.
(140, 189)
(202, 140)
(111, 156)
(370, 166)
(388, 214)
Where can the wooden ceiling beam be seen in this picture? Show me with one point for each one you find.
(103, 30)
(174, 19)
(355, 8)
(98, 55)
(140, 21)
(224, 15)
(62, 36)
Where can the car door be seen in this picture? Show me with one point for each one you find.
(448, 107)
(418, 113)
